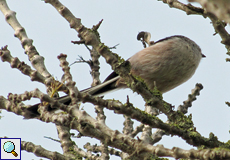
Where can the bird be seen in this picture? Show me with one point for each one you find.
(166, 64)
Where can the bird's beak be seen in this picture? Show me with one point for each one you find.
(203, 56)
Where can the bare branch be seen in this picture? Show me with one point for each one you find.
(157, 135)
(64, 136)
(73, 91)
(100, 114)
(219, 8)
(137, 130)
(95, 66)
(154, 122)
(218, 25)
(147, 130)
(81, 152)
(104, 151)
(41, 152)
(95, 28)
(36, 60)
(116, 139)
(191, 97)
(159, 150)
(114, 47)
(24, 68)
(128, 125)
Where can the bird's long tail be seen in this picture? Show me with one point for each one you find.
(101, 89)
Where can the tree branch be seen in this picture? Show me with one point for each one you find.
(41, 152)
(36, 60)
(218, 25)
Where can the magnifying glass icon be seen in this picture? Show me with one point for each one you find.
(9, 147)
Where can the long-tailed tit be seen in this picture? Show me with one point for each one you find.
(167, 63)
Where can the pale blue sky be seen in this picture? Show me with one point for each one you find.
(122, 22)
